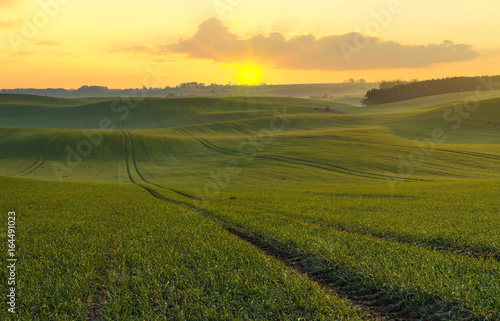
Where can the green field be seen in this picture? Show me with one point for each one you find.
(260, 208)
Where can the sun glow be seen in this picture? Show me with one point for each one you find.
(249, 75)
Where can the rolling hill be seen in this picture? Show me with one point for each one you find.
(285, 201)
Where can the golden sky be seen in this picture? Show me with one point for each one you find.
(70, 43)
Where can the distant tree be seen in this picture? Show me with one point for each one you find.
(389, 84)
(398, 90)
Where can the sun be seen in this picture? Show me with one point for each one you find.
(249, 75)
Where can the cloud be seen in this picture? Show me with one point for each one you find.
(10, 24)
(214, 41)
(136, 50)
(47, 43)
(145, 49)
(17, 57)
(8, 3)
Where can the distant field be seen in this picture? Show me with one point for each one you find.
(252, 208)
(292, 90)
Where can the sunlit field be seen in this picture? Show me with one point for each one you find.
(252, 208)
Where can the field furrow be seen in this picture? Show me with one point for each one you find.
(45, 151)
(87, 117)
(184, 209)
(153, 116)
(378, 301)
(438, 245)
(327, 167)
(97, 300)
(11, 132)
(372, 266)
(50, 142)
(378, 304)
(481, 155)
(238, 129)
(132, 153)
(302, 162)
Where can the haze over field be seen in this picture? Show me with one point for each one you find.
(211, 208)
(249, 160)
(220, 41)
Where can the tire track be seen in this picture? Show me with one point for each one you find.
(488, 253)
(469, 153)
(289, 124)
(132, 154)
(244, 132)
(39, 155)
(488, 156)
(298, 161)
(13, 131)
(96, 301)
(125, 143)
(215, 148)
(153, 116)
(132, 180)
(286, 159)
(375, 302)
(329, 167)
(130, 151)
(87, 118)
(408, 147)
(182, 132)
(144, 179)
(190, 115)
(185, 112)
(376, 176)
(206, 143)
(379, 310)
(52, 142)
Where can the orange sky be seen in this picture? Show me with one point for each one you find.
(69, 43)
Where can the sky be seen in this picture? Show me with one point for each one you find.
(158, 43)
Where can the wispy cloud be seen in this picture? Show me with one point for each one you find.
(215, 41)
(48, 43)
(17, 57)
(10, 24)
(137, 49)
(8, 3)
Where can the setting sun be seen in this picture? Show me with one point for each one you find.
(249, 75)
(250, 160)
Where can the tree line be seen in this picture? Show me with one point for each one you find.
(415, 89)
